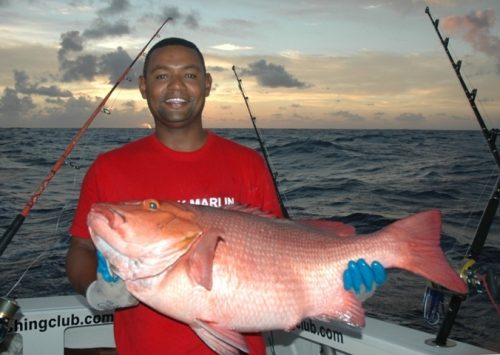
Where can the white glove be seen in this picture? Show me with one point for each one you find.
(108, 292)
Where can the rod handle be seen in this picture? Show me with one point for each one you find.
(10, 232)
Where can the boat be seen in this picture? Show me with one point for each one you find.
(57, 325)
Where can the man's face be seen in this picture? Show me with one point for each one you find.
(175, 86)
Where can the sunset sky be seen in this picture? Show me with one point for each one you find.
(303, 64)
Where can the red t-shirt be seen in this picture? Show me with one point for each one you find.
(220, 173)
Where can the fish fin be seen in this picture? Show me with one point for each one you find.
(418, 237)
(340, 229)
(201, 258)
(350, 311)
(248, 209)
(219, 339)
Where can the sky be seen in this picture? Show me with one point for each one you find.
(346, 64)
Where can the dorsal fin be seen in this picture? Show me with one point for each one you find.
(248, 209)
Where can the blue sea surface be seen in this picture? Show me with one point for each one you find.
(367, 178)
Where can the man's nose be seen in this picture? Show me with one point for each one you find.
(176, 81)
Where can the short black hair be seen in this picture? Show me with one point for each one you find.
(172, 41)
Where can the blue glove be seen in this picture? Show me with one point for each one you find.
(108, 292)
(103, 269)
(362, 278)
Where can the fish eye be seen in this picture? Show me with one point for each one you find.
(151, 204)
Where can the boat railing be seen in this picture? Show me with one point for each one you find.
(48, 325)
(51, 325)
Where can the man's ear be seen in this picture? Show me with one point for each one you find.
(142, 86)
(208, 84)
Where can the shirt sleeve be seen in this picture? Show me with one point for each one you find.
(89, 194)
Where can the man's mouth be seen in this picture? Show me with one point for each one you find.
(176, 101)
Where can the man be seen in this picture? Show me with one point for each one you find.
(181, 161)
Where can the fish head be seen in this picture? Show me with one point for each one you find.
(142, 238)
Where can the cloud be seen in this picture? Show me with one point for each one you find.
(13, 106)
(272, 75)
(88, 66)
(170, 11)
(410, 118)
(70, 42)
(83, 67)
(216, 69)
(349, 116)
(23, 86)
(475, 29)
(231, 47)
(102, 28)
(17, 110)
(113, 64)
(115, 7)
(191, 20)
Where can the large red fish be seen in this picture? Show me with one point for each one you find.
(229, 270)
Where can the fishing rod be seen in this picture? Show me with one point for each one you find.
(262, 146)
(19, 219)
(489, 212)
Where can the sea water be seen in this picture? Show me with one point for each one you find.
(367, 178)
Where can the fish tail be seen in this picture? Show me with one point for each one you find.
(417, 238)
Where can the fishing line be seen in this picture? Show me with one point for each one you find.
(263, 148)
(485, 117)
(77, 175)
(47, 250)
(9, 306)
(468, 79)
(109, 109)
(469, 270)
(489, 286)
(476, 205)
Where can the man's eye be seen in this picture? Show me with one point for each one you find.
(190, 76)
(161, 76)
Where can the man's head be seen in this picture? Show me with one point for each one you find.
(172, 41)
(175, 84)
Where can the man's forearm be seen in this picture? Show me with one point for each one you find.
(81, 264)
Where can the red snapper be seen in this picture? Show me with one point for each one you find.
(225, 271)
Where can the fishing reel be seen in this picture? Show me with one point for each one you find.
(479, 281)
(8, 309)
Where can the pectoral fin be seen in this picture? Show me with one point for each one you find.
(201, 258)
(221, 340)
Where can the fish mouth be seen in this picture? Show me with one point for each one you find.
(127, 268)
(112, 216)
(102, 223)
(140, 267)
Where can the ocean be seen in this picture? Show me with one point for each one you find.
(367, 178)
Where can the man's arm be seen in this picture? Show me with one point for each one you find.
(81, 264)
